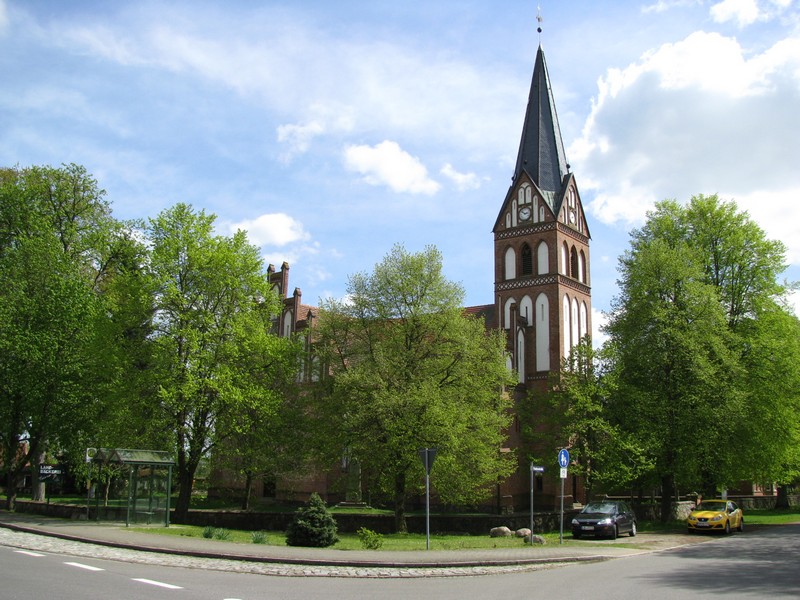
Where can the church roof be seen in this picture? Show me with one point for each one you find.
(541, 151)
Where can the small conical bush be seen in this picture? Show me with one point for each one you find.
(312, 526)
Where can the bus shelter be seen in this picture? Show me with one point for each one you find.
(149, 482)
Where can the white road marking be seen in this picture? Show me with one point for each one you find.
(28, 553)
(82, 566)
(169, 586)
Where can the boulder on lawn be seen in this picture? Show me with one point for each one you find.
(500, 532)
(522, 532)
(534, 539)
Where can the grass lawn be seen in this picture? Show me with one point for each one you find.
(351, 541)
(395, 541)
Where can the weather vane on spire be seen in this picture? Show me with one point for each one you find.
(539, 19)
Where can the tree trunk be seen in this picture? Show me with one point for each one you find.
(667, 487)
(400, 525)
(185, 484)
(37, 486)
(12, 478)
(782, 501)
(248, 490)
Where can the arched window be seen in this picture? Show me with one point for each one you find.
(584, 269)
(565, 333)
(564, 259)
(573, 263)
(542, 259)
(581, 270)
(575, 326)
(288, 317)
(511, 264)
(527, 260)
(542, 333)
(507, 313)
(584, 320)
(521, 355)
(526, 310)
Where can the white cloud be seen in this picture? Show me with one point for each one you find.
(744, 12)
(774, 211)
(665, 5)
(747, 12)
(286, 65)
(697, 116)
(298, 137)
(275, 229)
(4, 20)
(388, 164)
(463, 181)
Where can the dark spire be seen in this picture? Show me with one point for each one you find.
(541, 150)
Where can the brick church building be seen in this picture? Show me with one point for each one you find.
(542, 293)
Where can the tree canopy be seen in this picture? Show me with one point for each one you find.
(694, 334)
(410, 370)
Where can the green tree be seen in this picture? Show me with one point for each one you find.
(410, 370)
(209, 290)
(702, 333)
(52, 225)
(674, 363)
(265, 430)
(574, 413)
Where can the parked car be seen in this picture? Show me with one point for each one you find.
(607, 518)
(716, 515)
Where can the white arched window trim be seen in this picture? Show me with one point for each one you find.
(507, 313)
(510, 264)
(543, 259)
(565, 321)
(584, 320)
(542, 333)
(526, 310)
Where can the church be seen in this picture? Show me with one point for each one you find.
(542, 293)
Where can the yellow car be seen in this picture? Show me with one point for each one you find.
(716, 515)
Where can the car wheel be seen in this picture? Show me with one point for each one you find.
(632, 532)
(727, 527)
(741, 524)
(614, 533)
(577, 536)
(689, 530)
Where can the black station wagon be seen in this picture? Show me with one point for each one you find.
(608, 518)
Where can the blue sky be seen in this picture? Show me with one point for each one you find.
(332, 130)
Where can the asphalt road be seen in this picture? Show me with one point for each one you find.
(760, 563)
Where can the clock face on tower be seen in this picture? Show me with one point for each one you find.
(525, 213)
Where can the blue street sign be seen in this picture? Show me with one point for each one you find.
(563, 458)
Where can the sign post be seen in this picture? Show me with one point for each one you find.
(427, 456)
(563, 462)
(534, 469)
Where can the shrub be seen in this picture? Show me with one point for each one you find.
(208, 531)
(259, 537)
(312, 526)
(221, 534)
(369, 539)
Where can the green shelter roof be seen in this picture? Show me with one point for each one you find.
(127, 456)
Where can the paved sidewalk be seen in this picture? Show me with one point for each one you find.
(116, 536)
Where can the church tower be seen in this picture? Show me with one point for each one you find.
(542, 293)
(541, 247)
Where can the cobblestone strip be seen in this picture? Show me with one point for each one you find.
(29, 541)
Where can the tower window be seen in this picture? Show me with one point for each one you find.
(573, 263)
(527, 260)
